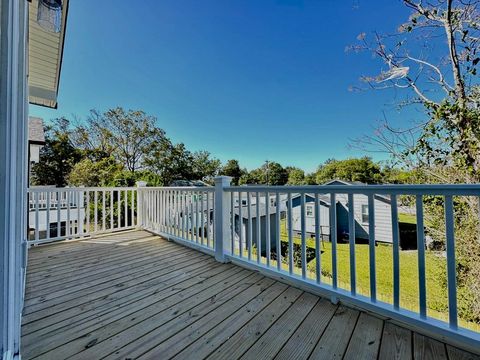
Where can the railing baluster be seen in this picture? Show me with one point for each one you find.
(258, 232)
(95, 209)
(333, 237)
(111, 210)
(371, 247)
(87, 211)
(68, 230)
(134, 194)
(422, 297)
(277, 232)
(191, 215)
(37, 220)
(268, 240)
(303, 236)
(59, 218)
(48, 214)
(177, 213)
(104, 212)
(119, 208)
(125, 217)
(202, 216)
(451, 263)
(290, 234)
(232, 221)
(208, 219)
(318, 260)
(396, 252)
(351, 240)
(250, 230)
(184, 219)
(240, 224)
(197, 220)
(212, 218)
(79, 213)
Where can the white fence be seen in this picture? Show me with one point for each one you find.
(253, 227)
(66, 213)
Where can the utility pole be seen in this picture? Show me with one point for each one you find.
(268, 169)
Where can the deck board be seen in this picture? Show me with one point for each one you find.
(134, 295)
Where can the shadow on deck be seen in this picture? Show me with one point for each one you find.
(135, 295)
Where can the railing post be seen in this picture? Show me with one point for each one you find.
(222, 218)
(140, 217)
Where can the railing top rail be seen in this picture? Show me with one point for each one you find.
(180, 188)
(423, 189)
(54, 189)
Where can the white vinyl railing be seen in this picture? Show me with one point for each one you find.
(184, 214)
(66, 213)
(272, 229)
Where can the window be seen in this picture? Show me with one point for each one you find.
(309, 211)
(365, 213)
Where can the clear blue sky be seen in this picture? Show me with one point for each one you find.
(244, 79)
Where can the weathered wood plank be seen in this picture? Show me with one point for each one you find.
(278, 334)
(234, 285)
(110, 313)
(105, 280)
(97, 277)
(334, 340)
(148, 315)
(396, 343)
(132, 294)
(80, 304)
(226, 330)
(129, 299)
(457, 354)
(78, 261)
(309, 332)
(250, 300)
(365, 340)
(428, 349)
(160, 334)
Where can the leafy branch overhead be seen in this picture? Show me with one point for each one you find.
(433, 60)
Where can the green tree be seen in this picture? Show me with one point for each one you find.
(129, 136)
(95, 173)
(432, 64)
(355, 169)
(57, 157)
(296, 176)
(204, 166)
(232, 169)
(171, 162)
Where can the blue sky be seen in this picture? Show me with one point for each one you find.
(244, 79)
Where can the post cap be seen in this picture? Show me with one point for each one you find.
(223, 180)
(141, 183)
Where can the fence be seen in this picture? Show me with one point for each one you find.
(66, 213)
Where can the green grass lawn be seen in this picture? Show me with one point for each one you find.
(407, 218)
(437, 302)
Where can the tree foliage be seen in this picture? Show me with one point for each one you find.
(362, 169)
(130, 136)
(433, 61)
(232, 169)
(57, 157)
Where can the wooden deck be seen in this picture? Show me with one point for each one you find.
(135, 295)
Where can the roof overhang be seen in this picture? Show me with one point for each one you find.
(45, 53)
